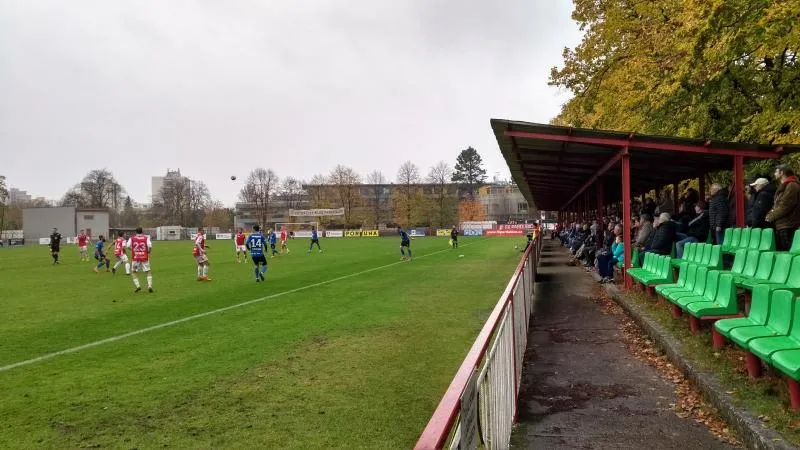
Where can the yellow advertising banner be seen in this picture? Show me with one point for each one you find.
(352, 233)
(370, 233)
(443, 232)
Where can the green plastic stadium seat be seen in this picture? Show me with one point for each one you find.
(688, 285)
(709, 292)
(767, 240)
(727, 240)
(646, 265)
(655, 271)
(682, 272)
(765, 347)
(724, 303)
(706, 258)
(662, 275)
(792, 281)
(759, 311)
(778, 323)
(750, 266)
(635, 258)
(744, 239)
(766, 265)
(697, 289)
(739, 259)
(755, 239)
(734, 244)
(788, 362)
(795, 248)
(688, 254)
(715, 262)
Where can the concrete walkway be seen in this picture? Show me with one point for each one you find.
(581, 387)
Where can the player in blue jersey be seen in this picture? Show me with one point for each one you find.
(100, 255)
(273, 241)
(314, 240)
(405, 244)
(257, 243)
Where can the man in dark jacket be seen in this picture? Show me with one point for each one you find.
(718, 212)
(663, 237)
(697, 232)
(761, 204)
(785, 214)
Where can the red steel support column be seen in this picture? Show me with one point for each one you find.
(626, 212)
(738, 181)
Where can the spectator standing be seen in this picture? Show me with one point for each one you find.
(697, 232)
(761, 203)
(785, 213)
(718, 212)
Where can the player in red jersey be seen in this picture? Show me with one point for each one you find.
(83, 245)
(199, 253)
(119, 252)
(284, 235)
(241, 249)
(141, 247)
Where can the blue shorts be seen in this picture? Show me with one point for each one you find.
(259, 259)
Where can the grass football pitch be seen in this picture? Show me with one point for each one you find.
(349, 348)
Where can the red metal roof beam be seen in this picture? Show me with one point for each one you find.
(606, 167)
(646, 145)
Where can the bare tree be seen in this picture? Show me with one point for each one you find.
(440, 176)
(408, 180)
(292, 191)
(261, 185)
(98, 189)
(378, 202)
(173, 200)
(317, 191)
(346, 183)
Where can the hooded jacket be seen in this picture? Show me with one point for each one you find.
(698, 227)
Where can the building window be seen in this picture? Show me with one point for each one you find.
(88, 217)
(522, 207)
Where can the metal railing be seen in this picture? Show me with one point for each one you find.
(480, 405)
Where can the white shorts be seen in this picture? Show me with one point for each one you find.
(140, 266)
(241, 248)
(82, 248)
(123, 257)
(201, 259)
(283, 243)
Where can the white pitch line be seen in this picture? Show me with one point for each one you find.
(198, 316)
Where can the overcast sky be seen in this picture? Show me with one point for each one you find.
(218, 88)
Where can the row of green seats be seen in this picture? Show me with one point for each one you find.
(748, 239)
(771, 331)
(702, 291)
(703, 254)
(655, 270)
(778, 270)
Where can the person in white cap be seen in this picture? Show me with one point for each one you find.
(760, 203)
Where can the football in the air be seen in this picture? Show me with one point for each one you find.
(233, 177)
